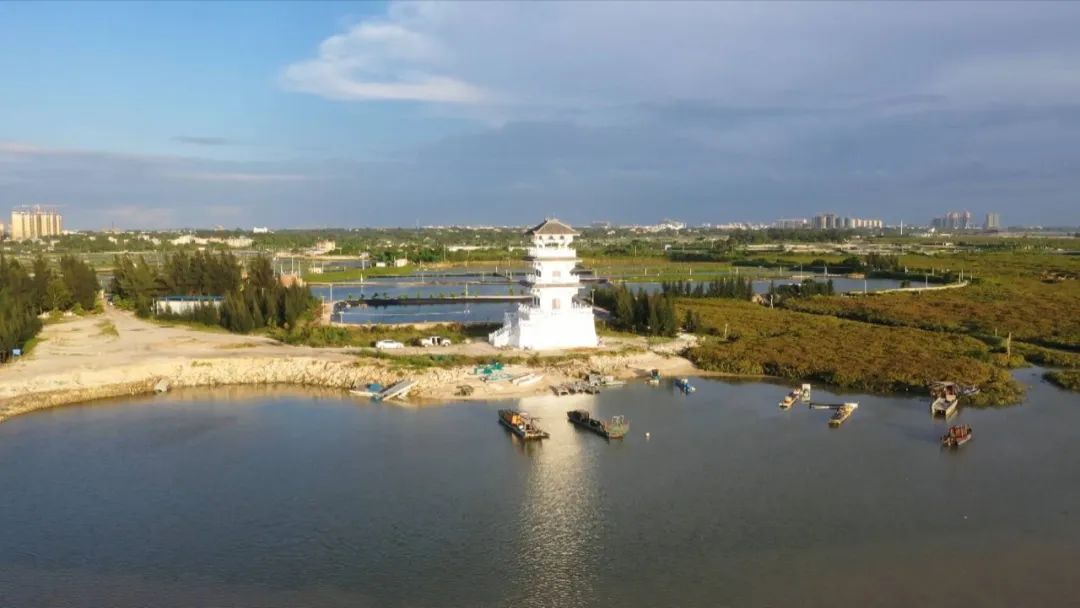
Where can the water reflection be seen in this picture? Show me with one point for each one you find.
(561, 518)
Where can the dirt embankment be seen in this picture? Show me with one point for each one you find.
(83, 359)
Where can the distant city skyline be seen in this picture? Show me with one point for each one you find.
(286, 114)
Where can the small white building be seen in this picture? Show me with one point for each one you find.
(179, 305)
(554, 318)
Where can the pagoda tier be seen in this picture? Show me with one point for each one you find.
(553, 319)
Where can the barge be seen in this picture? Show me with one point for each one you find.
(842, 413)
(797, 394)
(521, 424)
(616, 428)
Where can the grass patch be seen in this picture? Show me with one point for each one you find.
(423, 361)
(107, 328)
(1066, 379)
(1015, 292)
(214, 329)
(31, 344)
(1047, 357)
(368, 335)
(844, 353)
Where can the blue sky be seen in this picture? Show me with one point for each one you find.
(337, 114)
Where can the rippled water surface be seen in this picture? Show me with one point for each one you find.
(285, 498)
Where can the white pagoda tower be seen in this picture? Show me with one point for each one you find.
(553, 319)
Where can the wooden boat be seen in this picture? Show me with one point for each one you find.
(521, 424)
(957, 436)
(683, 384)
(616, 428)
(946, 396)
(842, 413)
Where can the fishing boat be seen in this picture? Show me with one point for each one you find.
(946, 396)
(957, 436)
(842, 413)
(616, 428)
(683, 384)
(654, 377)
(521, 424)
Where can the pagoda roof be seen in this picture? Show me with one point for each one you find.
(551, 226)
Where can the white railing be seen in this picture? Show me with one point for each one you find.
(551, 252)
(538, 280)
(528, 312)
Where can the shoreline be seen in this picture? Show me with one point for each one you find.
(434, 384)
(75, 363)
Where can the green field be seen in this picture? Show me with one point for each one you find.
(844, 353)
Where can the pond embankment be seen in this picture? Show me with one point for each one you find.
(75, 363)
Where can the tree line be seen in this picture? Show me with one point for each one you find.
(26, 294)
(253, 297)
(643, 313)
(739, 288)
(809, 287)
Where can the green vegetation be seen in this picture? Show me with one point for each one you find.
(368, 335)
(1047, 357)
(107, 328)
(649, 314)
(739, 288)
(1035, 312)
(848, 354)
(252, 300)
(1067, 379)
(26, 295)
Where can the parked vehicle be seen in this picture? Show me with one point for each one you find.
(433, 341)
(384, 344)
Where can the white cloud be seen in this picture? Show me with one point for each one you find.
(243, 178)
(13, 149)
(515, 60)
(1020, 78)
(379, 61)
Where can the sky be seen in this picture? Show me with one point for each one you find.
(245, 114)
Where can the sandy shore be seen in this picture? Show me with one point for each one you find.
(81, 360)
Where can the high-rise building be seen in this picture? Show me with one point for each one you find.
(793, 223)
(829, 221)
(953, 220)
(993, 221)
(35, 223)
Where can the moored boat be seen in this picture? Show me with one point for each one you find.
(957, 436)
(790, 399)
(616, 428)
(521, 424)
(946, 397)
(842, 413)
(683, 384)
(654, 377)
